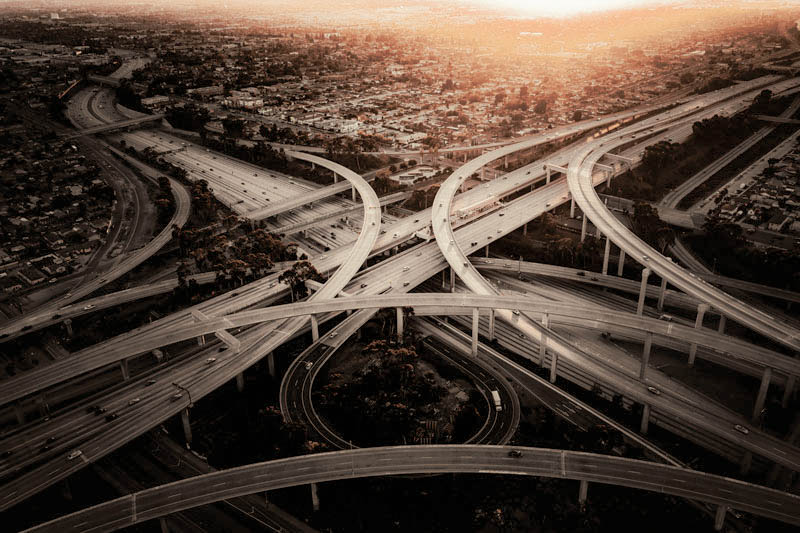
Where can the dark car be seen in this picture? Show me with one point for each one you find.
(515, 453)
(6, 454)
(112, 416)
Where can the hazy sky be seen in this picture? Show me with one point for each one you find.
(562, 7)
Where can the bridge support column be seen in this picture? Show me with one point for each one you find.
(721, 327)
(583, 492)
(747, 462)
(762, 393)
(399, 311)
(645, 419)
(187, 426)
(163, 523)
(719, 517)
(584, 223)
(525, 229)
(314, 328)
(648, 343)
(314, 497)
(240, 381)
(547, 179)
(642, 291)
(608, 181)
(68, 324)
(606, 255)
(787, 392)
(271, 363)
(19, 412)
(698, 324)
(491, 324)
(444, 278)
(572, 208)
(123, 366)
(335, 176)
(201, 340)
(505, 162)
(553, 366)
(662, 294)
(353, 194)
(475, 322)
(486, 251)
(543, 340)
(452, 280)
(621, 262)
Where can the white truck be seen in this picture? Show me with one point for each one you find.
(497, 404)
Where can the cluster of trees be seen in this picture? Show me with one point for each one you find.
(188, 117)
(128, 97)
(723, 244)
(165, 200)
(382, 403)
(648, 226)
(348, 151)
(297, 276)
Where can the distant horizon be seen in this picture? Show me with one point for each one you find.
(564, 8)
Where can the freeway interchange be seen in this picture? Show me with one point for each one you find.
(386, 285)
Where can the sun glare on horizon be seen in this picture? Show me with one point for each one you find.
(563, 8)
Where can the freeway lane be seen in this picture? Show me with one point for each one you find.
(194, 378)
(395, 460)
(581, 180)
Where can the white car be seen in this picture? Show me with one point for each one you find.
(74, 454)
(88, 307)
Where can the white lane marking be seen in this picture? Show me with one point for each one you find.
(679, 480)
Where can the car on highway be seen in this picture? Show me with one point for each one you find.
(211, 360)
(134, 401)
(88, 307)
(654, 390)
(741, 429)
(516, 312)
(112, 416)
(6, 454)
(150, 382)
(516, 454)
(334, 335)
(177, 396)
(665, 317)
(309, 365)
(74, 454)
(363, 285)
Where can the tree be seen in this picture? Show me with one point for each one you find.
(648, 226)
(541, 107)
(234, 127)
(296, 278)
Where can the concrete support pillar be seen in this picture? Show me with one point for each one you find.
(642, 291)
(399, 311)
(271, 363)
(648, 343)
(335, 176)
(543, 340)
(19, 412)
(572, 208)
(621, 262)
(314, 328)
(722, 321)
(68, 324)
(353, 193)
(465, 157)
(452, 280)
(314, 497)
(491, 324)
(123, 366)
(187, 426)
(645, 419)
(584, 223)
(606, 255)
(240, 381)
(553, 366)
(444, 278)
(698, 323)
(547, 180)
(583, 492)
(163, 523)
(762, 393)
(719, 517)
(608, 182)
(201, 340)
(662, 293)
(486, 251)
(525, 229)
(475, 323)
(505, 162)
(747, 462)
(787, 392)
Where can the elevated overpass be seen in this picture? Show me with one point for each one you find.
(396, 460)
(129, 124)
